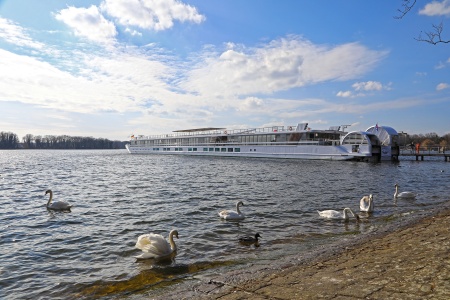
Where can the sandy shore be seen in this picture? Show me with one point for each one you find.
(409, 259)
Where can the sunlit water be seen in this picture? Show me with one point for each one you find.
(89, 252)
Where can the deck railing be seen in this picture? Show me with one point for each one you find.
(219, 132)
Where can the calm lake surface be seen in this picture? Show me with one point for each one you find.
(89, 252)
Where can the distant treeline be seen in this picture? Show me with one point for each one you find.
(9, 140)
(428, 139)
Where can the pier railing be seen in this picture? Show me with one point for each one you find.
(433, 151)
(425, 150)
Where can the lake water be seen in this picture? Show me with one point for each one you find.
(89, 252)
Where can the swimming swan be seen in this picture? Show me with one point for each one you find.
(403, 194)
(233, 215)
(366, 203)
(249, 239)
(334, 214)
(58, 205)
(155, 246)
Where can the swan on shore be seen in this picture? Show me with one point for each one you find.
(249, 239)
(231, 214)
(57, 205)
(366, 203)
(403, 194)
(334, 214)
(155, 245)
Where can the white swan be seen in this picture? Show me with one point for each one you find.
(155, 245)
(366, 203)
(57, 205)
(403, 194)
(334, 214)
(231, 214)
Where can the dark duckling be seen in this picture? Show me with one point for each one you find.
(250, 239)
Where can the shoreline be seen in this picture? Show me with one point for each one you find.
(406, 259)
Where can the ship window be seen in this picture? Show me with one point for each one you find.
(194, 149)
(237, 149)
(230, 149)
(223, 149)
(189, 149)
(205, 149)
(217, 149)
(355, 138)
(211, 149)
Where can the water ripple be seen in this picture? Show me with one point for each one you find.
(89, 252)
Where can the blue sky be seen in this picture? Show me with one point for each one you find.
(112, 68)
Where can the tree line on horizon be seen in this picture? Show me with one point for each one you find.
(10, 140)
(425, 140)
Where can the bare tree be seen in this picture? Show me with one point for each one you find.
(27, 140)
(433, 37)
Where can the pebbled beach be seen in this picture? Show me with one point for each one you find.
(409, 259)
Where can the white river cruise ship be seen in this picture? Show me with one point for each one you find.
(297, 142)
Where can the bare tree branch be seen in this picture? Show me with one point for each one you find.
(407, 6)
(433, 37)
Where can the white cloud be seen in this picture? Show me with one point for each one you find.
(151, 14)
(363, 87)
(436, 8)
(15, 34)
(280, 65)
(158, 89)
(368, 86)
(115, 84)
(346, 94)
(88, 23)
(133, 32)
(442, 86)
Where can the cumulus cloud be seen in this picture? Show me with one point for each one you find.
(442, 86)
(88, 23)
(151, 14)
(279, 65)
(436, 8)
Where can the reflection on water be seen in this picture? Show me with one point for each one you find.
(89, 252)
(151, 275)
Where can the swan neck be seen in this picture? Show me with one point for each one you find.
(171, 241)
(50, 199)
(346, 214)
(396, 191)
(237, 207)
